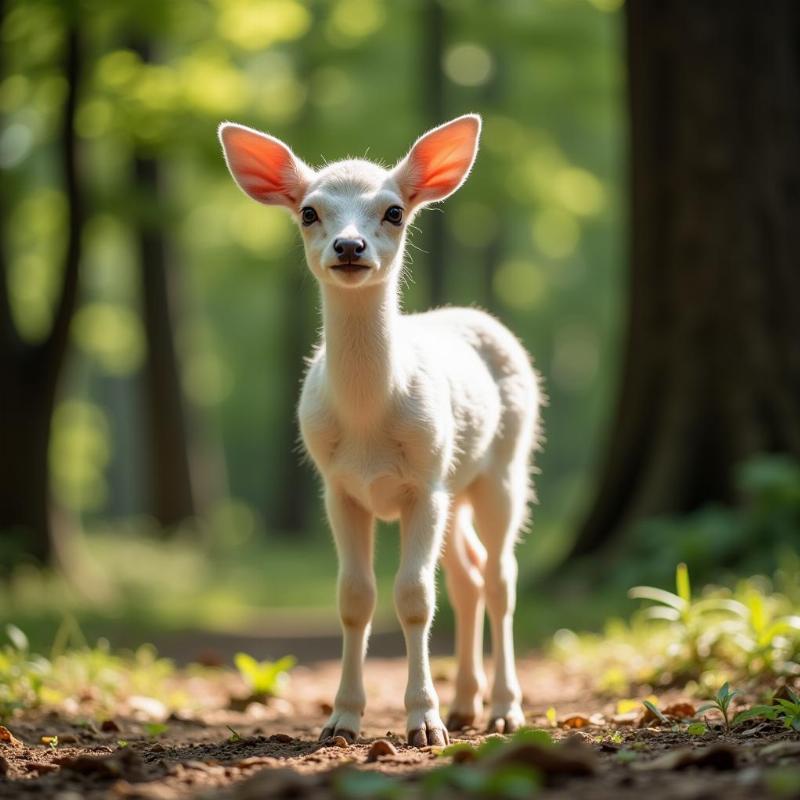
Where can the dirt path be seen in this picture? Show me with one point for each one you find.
(272, 751)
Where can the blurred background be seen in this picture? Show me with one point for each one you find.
(153, 320)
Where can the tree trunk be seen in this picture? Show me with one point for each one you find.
(168, 474)
(711, 372)
(30, 372)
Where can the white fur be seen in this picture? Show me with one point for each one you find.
(429, 419)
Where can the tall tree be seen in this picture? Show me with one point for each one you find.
(30, 371)
(711, 372)
(168, 457)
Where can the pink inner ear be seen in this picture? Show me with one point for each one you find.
(441, 160)
(263, 167)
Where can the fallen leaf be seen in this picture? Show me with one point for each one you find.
(681, 710)
(380, 747)
(575, 721)
(627, 718)
(8, 738)
(147, 707)
(628, 705)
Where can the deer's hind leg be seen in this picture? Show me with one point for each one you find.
(463, 560)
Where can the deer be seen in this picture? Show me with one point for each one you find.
(430, 419)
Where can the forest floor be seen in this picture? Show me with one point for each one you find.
(237, 751)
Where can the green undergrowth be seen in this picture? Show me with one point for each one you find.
(74, 674)
(748, 634)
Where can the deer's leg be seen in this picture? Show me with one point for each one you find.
(499, 502)
(353, 533)
(422, 530)
(463, 560)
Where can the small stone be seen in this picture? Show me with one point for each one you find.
(283, 738)
(340, 741)
(109, 726)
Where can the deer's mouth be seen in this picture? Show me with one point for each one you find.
(351, 267)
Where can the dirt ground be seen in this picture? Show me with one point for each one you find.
(272, 751)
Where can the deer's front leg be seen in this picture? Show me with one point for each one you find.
(353, 533)
(423, 523)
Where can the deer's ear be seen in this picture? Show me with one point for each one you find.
(264, 167)
(439, 161)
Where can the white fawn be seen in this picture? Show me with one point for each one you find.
(429, 419)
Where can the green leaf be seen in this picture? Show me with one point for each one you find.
(155, 729)
(18, 638)
(454, 749)
(697, 729)
(755, 712)
(532, 736)
(654, 709)
(657, 596)
(682, 584)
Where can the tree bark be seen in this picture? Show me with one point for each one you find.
(711, 372)
(168, 474)
(30, 372)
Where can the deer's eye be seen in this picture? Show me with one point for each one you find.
(308, 216)
(394, 214)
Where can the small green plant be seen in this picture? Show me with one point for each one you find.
(264, 678)
(783, 709)
(697, 729)
(235, 736)
(698, 624)
(722, 703)
(122, 743)
(655, 711)
(155, 729)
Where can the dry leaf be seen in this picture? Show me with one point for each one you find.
(628, 718)
(681, 710)
(8, 738)
(380, 747)
(575, 721)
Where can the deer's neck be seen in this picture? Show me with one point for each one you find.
(359, 327)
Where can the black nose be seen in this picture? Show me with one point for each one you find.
(349, 249)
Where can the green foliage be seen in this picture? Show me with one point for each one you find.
(30, 680)
(783, 709)
(721, 702)
(235, 736)
(697, 729)
(751, 633)
(264, 678)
